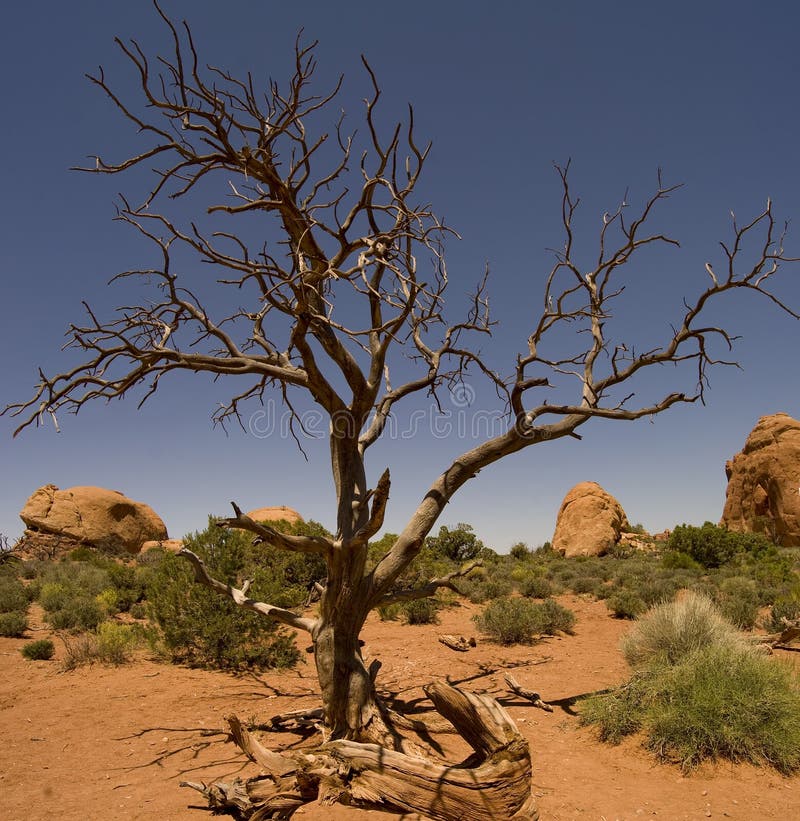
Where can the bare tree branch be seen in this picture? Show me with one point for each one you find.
(240, 596)
(430, 588)
(268, 535)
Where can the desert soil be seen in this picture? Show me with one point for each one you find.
(114, 742)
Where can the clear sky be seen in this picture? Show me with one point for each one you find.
(707, 91)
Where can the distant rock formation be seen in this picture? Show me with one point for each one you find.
(590, 521)
(170, 545)
(763, 493)
(275, 514)
(94, 516)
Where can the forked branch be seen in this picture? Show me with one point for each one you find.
(240, 597)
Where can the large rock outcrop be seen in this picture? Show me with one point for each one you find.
(94, 516)
(764, 482)
(590, 521)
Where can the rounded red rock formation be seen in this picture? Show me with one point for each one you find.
(282, 513)
(589, 522)
(93, 515)
(763, 493)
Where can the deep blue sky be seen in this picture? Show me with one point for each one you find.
(707, 91)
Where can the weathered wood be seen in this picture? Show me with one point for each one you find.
(493, 783)
(458, 643)
(528, 695)
(298, 720)
(789, 635)
(256, 751)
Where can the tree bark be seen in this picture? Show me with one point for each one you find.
(493, 783)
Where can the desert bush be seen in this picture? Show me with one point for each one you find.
(738, 601)
(586, 585)
(625, 604)
(674, 630)
(701, 691)
(420, 611)
(554, 618)
(12, 595)
(675, 560)
(508, 621)
(536, 587)
(139, 610)
(115, 642)
(13, 624)
(712, 546)
(458, 545)
(728, 702)
(200, 628)
(390, 612)
(108, 600)
(79, 649)
(783, 611)
(29, 569)
(39, 650)
(518, 620)
(68, 592)
(79, 613)
(519, 551)
(129, 582)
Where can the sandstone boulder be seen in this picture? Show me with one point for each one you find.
(589, 522)
(763, 493)
(170, 545)
(93, 515)
(275, 514)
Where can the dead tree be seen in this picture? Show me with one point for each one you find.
(348, 230)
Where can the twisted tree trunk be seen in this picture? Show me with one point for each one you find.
(492, 783)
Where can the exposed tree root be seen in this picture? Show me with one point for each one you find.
(492, 783)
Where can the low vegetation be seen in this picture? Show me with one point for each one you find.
(519, 620)
(698, 689)
(701, 691)
(39, 650)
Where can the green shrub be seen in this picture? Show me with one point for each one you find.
(519, 551)
(701, 691)
(420, 611)
(79, 613)
(390, 612)
(12, 595)
(518, 620)
(128, 582)
(14, 624)
(108, 600)
(554, 618)
(139, 610)
(508, 621)
(458, 545)
(115, 642)
(674, 630)
(586, 584)
(53, 596)
(203, 629)
(729, 702)
(785, 610)
(675, 560)
(40, 650)
(738, 601)
(712, 546)
(536, 587)
(625, 604)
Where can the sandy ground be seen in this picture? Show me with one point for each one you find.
(114, 743)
